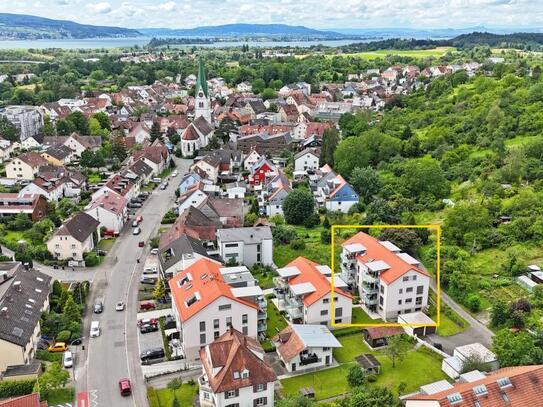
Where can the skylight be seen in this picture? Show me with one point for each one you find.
(455, 398)
(504, 382)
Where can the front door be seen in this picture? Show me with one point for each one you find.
(293, 367)
(327, 360)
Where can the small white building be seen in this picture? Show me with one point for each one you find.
(110, 210)
(306, 160)
(234, 373)
(247, 246)
(303, 347)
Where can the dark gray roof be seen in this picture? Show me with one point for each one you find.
(304, 152)
(184, 245)
(33, 368)
(22, 304)
(80, 226)
(60, 152)
(202, 125)
(258, 106)
(141, 168)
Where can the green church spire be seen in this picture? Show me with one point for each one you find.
(201, 82)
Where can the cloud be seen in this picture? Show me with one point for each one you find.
(99, 8)
(63, 2)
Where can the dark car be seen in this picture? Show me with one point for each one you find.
(98, 307)
(134, 205)
(146, 328)
(150, 355)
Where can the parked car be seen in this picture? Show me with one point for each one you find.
(134, 205)
(148, 280)
(148, 305)
(157, 180)
(119, 306)
(154, 251)
(163, 186)
(150, 355)
(148, 328)
(174, 174)
(43, 344)
(135, 223)
(147, 321)
(141, 244)
(136, 231)
(124, 387)
(98, 307)
(58, 347)
(95, 329)
(68, 359)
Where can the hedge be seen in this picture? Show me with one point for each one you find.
(48, 356)
(15, 388)
(152, 397)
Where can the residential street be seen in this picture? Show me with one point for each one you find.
(115, 353)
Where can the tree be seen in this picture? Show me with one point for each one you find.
(330, 141)
(175, 402)
(48, 128)
(298, 206)
(54, 378)
(71, 310)
(406, 239)
(258, 85)
(356, 376)
(159, 291)
(65, 127)
(8, 130)
(467, 223)
(366, 183)
(155, 132)
(423, 177)
(373, 397)
(96, 130)
(515, 349)
(499, 314)
(473, 302)
(396, 349)
(80, 122)
(103, 119)
(91, 159)
(268, 93)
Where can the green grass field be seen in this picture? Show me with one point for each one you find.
(417, 53)
(314, 249)
(185, 395)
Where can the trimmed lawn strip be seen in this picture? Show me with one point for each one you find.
(61, 396)
(275, 323)
(185, 395)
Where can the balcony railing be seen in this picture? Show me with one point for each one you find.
(309, 359)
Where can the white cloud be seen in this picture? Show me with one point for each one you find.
(99, 8)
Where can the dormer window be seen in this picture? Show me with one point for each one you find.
(245, 374)
(236, 375)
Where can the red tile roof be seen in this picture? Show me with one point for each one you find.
(112, 202)
(33, 159)
(379, 332)
(30, 400)
(207, 281)
(310, 274)
(524, 391)
(290, 343)
(234, 352)
(376, 251)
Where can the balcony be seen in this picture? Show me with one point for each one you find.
(204, 384)
(370, 299)
(370, 288)
(370, 278)
(262, 326)
(309, 359)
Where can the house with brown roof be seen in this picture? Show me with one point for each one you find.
(110, 210)
(74, 238)
(191, 222)
(304, 291)
(155, 156)
(140, 132)
(302, 347)
(517, 386)
(206, 302)
(30, 400)
(34, 205)
(389, 281)
(234, 372)
(120, 185)
(265, 143)
(25, 166)
(58, 155)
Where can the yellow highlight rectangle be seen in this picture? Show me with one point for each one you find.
(438, 263)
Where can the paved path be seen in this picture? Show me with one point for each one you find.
(477, 332)
(115, 353)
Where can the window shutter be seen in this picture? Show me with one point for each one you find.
(265, 386)
(237, 392)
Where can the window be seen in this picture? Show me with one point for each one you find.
(420, 289)
(324, 312)
(202, 339)
(382, 289)
(408, 300)
(202, 326)
(231, 393)
(339, 312)
(231, 245)
(233, 405)
(244, 318)
(215, 324)
(337, 321)
(245, 374)
(73, 246)
(261, 401)
(418, 301)
(409, 290)
(381, 301)
(225, 307)
(245, 330)
(399, 302)
(259, 387)
(414, 278)
(325, 349)
(326, 300)
(206, 395)
(228, 321)
(215, 334)
(406, 278)
(400, 291)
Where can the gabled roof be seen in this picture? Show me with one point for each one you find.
(377, 251)
(296, 338)
(177, 248)
(248, 235)
(310, 274)
(60, 152)
(205, 285)
(304, 152)
(228, 356)
(190, 133)
(22, 304)
(202, 125)
(111, 202)
(80, 227)
(30, 400)
(517, 386)
(33, 159)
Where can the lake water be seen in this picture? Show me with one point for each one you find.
(96, 43)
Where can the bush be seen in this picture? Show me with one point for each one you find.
(473, 302)
(312, 221)
(63, 336)
(356, 376)
(326, 236)
(298, 206)
(175, 384)
(91, 259)
(297, 244)
(48, 356)
(169, 218)
(371, 378)
(15, 388)
(284, 234)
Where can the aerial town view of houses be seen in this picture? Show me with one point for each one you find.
(285, 223)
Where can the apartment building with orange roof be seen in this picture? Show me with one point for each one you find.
(389, 281)
(208, 299)
(304, 292)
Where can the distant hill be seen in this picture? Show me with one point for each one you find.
(239, 30)
(515, 40)
(20, 26)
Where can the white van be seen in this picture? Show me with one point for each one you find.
(68, 359)
(95, 329)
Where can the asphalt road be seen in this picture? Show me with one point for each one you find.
(115, 353)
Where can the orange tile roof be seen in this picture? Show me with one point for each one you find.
(207, 281)
(525, 391)
(289, 343)
(376, 251)
(310, 274)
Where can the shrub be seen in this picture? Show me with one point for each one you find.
(371, 378)
(175, 384)
(356, 376)
(91, 259)
(326, 236)
(297, 244)
(312, 220)
(473, 302)
(284, 234)
(48, 356)
(15, 388)
(63, 336)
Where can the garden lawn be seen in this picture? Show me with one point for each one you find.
(185, 395)
(93, 179)
(353, 346)
(61, 396)
(264, 281)
(358, 317)
(314, 249)
(106, 244)
(450, 323)
(415, 53)
(275, 323)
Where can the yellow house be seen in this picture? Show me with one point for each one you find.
(58, 155)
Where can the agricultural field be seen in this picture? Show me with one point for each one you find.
(422, 53)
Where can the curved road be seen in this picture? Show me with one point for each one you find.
(102, 361)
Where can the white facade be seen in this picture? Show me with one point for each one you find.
(408, 293)
(254, 247)
(194, 199)
(308, 161)
(243, 397)
(27, 119)
(19, 169)
(324, 355)
(108, 219)
(319, 311)
(216, 318)
(64, 247)
(53, 195)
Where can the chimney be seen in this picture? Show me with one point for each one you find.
(17, 286)
(4, 311)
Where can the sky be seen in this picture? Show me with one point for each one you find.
(324, 14)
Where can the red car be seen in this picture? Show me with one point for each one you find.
(147, 305)
(124, 387)
(141, 244)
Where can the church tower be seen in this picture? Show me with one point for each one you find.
(202, 106)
